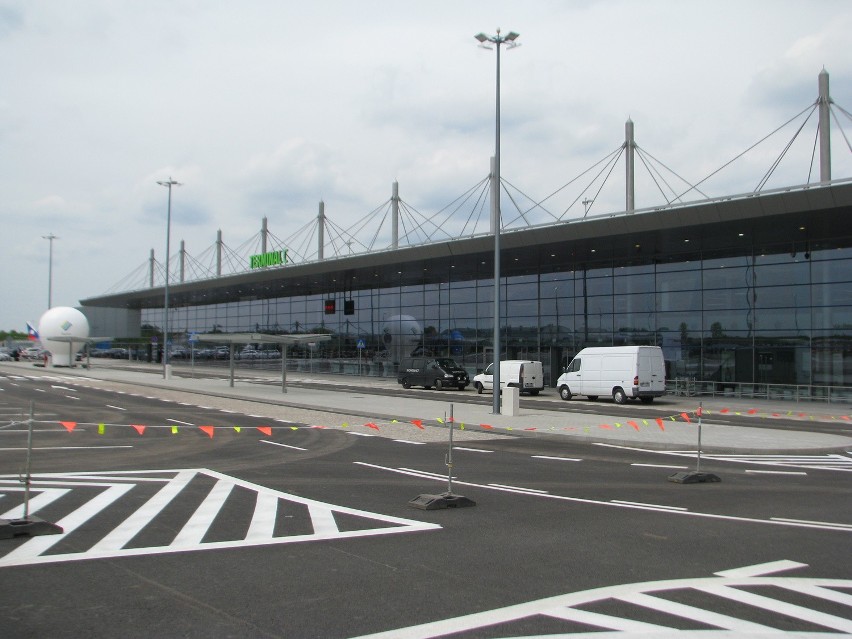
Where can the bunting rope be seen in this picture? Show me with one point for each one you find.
(685, 417)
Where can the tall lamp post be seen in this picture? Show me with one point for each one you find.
(509, 41)
(169, 184)
(50, 238)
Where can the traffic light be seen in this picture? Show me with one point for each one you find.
(330, 307)
(349, 307)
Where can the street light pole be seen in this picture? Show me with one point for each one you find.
(169, 184)
(509, 41)
(50, 238)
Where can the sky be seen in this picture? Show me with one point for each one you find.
(264, 108)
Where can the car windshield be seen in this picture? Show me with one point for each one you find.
(445, 362)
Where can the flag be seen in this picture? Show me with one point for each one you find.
(32, 334)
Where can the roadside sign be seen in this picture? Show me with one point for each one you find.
(193, 338)
(361, 344)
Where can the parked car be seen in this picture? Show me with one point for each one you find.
(526, 375)
(5, 356)
(440, 372)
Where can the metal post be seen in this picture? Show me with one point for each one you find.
(50, 238)
(169, 184)
(283, 368)
(28, 465)
(700, 411)
(450, 457)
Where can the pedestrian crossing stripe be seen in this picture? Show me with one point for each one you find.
(81, 497)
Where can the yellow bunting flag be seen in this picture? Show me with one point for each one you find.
(238, 428)
(344, 424)
(101, 429)
(439, 420)
(174, 430)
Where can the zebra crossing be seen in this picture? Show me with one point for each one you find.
(828, 461)
(209, 510)
(748, 601)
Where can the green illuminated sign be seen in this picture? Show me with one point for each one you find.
(273, 258)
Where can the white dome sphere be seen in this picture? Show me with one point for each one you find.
(64, 322)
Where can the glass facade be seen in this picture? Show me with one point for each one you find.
(768, 318)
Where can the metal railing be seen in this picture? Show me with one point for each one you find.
(788, 392)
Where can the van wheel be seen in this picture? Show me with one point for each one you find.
(618, 396)
(406, 383)
(439, 385)
(565, 393)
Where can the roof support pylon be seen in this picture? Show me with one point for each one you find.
(395, 216)
(264, 234)
(824, 128)
(320, 230)
(630, 147)
(219, 253)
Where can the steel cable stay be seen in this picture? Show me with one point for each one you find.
(604, 181)
(811, 106)
(524, 212)
(777, 161)
(643, 152)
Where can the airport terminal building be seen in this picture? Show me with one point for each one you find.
(738, 291)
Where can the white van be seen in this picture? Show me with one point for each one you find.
(623, 372)
(525, 374)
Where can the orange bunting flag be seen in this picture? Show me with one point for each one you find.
(635, 426)
(725, 410)
(660, 423)
(371, 425)
(752, 411)
(139, 428)
(686, 417)
(605, 426)
(266, 430)
(698, 412)
(531, 428)
(486, 426)
(418, 423)
(317, 426)
(846, 417)
(207, 429)
(101, 429)
(69, 426)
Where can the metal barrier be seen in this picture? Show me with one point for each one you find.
(741, 390)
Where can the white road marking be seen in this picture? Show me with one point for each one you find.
(260, 527)
(472, 450)
(654, 506)
(177, 421)
(729, 584)
(266, 441)
(405, 441)
(776, 472)
(115, 407)
(521, 488)
(573, 459)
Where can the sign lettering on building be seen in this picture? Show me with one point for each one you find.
(273, 258)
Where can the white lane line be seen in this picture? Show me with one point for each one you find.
(644, 505)
(423, 473)
(115, 407)
(613, 504)
(661, 466)
(65, 388)
(72, 397)
(405, 441)
(775, 472)
(177, 421)
(69, 447)
(360, 434)
(574, 459)
(807, 521)
(472, 450)
(521, 488)
(266, 441)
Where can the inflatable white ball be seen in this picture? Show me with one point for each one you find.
(63, 322)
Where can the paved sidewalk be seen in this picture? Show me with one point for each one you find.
(670, 423)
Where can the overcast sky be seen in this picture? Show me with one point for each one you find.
(265, 107)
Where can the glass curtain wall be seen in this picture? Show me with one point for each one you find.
(779, 318)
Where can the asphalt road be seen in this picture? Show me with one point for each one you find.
(305, 532)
